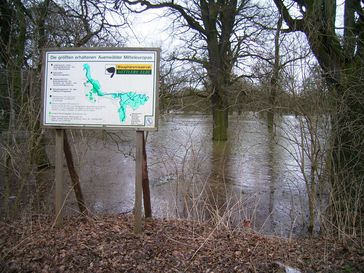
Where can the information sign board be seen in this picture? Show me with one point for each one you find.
(101, 88)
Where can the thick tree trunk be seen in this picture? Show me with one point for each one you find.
(220, 119)
(219, 132)
(220, 79)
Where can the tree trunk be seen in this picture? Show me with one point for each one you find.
(344, 72)
(342, 61)
(275, 76)
(220, 119)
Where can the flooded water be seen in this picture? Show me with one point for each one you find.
(255, 179)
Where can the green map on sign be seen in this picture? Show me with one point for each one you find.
(131, 99)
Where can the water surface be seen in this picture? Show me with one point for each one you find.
(254, 179)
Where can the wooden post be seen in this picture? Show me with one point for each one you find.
(138, 182)
(146, 191)
(74, 176)
(59, 176)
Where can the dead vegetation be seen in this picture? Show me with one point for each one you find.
(108, 244)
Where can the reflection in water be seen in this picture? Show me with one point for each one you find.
(253, 178)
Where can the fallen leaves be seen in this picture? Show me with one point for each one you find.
(108, 244)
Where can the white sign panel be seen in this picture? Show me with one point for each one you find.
(101, 88)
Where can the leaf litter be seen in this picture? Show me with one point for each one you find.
(108, 244)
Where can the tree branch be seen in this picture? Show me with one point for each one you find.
(192, 22)
(293, 24)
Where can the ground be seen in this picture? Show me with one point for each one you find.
(108, 244)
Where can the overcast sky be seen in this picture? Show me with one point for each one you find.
(149, 29)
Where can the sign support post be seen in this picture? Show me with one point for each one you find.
(100, 88)
(59, 176)
(138, 182)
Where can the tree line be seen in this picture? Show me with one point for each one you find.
(226, 41)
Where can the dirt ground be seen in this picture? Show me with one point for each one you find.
(108, 244)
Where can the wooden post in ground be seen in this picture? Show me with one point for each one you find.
(138, 182)
(146, 191)
(74, 176)
(59, 177)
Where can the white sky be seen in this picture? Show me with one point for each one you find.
(149, 29)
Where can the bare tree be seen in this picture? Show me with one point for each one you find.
(341, 59)
(218, 34)
(26, 28)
